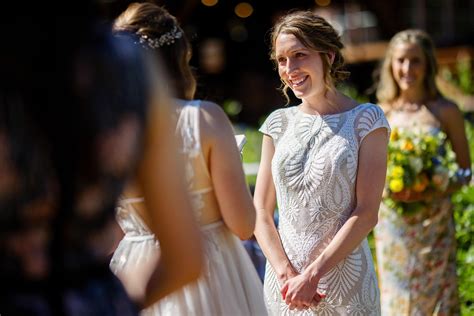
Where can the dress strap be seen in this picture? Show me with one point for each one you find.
(132, 200)
(189, 121)
(130, 237)
(201, 191)
(197, 134)
(211, 226)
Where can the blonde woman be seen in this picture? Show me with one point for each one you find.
(416, 253)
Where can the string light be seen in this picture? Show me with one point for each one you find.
(323, 3)
(243, 10)
(209, 3)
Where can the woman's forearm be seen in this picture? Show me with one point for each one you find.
(347, 239)
(269, 241)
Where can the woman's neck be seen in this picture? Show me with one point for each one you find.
(331, 102)
(411, 100)
(413, 96)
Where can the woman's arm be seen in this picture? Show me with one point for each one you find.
(453, 123)
(168, 207)
(227, 174)
(301, 290)
(265, 202)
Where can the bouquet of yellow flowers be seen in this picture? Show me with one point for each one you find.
(417, 162)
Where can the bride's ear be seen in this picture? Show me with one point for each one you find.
(332, 56)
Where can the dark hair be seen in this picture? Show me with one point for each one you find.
(155, 28)
(80, 86)
(66, 88)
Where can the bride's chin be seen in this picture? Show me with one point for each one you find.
(298, 93)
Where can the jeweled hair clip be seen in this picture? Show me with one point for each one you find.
(166, 39)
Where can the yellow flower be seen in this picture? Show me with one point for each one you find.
(399, 157)
(396, 185)
(407, 144)
(397, 172)
(394, 135)
(429, 139)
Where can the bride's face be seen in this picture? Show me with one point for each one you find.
(300, 67)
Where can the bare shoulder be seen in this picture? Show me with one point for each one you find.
(386, 107)
(447, 109)
(213, 115)
(445, 104)
(214, 121)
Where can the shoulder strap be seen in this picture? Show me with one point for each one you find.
(188, 127)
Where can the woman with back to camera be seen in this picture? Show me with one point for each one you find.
(78, 117)
(222, 202)
(324, 161)
(416, 253)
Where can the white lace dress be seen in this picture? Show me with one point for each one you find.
(230, 284)
(314, 169)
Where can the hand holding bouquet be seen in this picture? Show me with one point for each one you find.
(419, 166)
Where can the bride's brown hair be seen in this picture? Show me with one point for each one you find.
(317, 34)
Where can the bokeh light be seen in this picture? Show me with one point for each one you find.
(323, 3)
(243, 10)
(209, 3)
(212, 55)
(238, 32)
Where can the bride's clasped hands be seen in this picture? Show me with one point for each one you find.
(300, 291)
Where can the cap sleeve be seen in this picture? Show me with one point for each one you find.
(369, 119)
(273, 125)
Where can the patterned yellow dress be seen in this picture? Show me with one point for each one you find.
(416, 254)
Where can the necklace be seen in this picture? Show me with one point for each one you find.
(404, 106)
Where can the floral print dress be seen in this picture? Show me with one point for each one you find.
(416, 254)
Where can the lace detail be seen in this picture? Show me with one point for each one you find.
(274, 125)
(417, 257)
(314, 169)
(128, 219)
(188, 130)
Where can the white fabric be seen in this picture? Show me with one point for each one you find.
(314, 169)
(230, 284)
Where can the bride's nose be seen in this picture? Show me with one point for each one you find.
(290, 66)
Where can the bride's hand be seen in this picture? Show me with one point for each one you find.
(285, 273)
(301, 293)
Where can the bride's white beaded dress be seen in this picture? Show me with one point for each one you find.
(314, 170)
